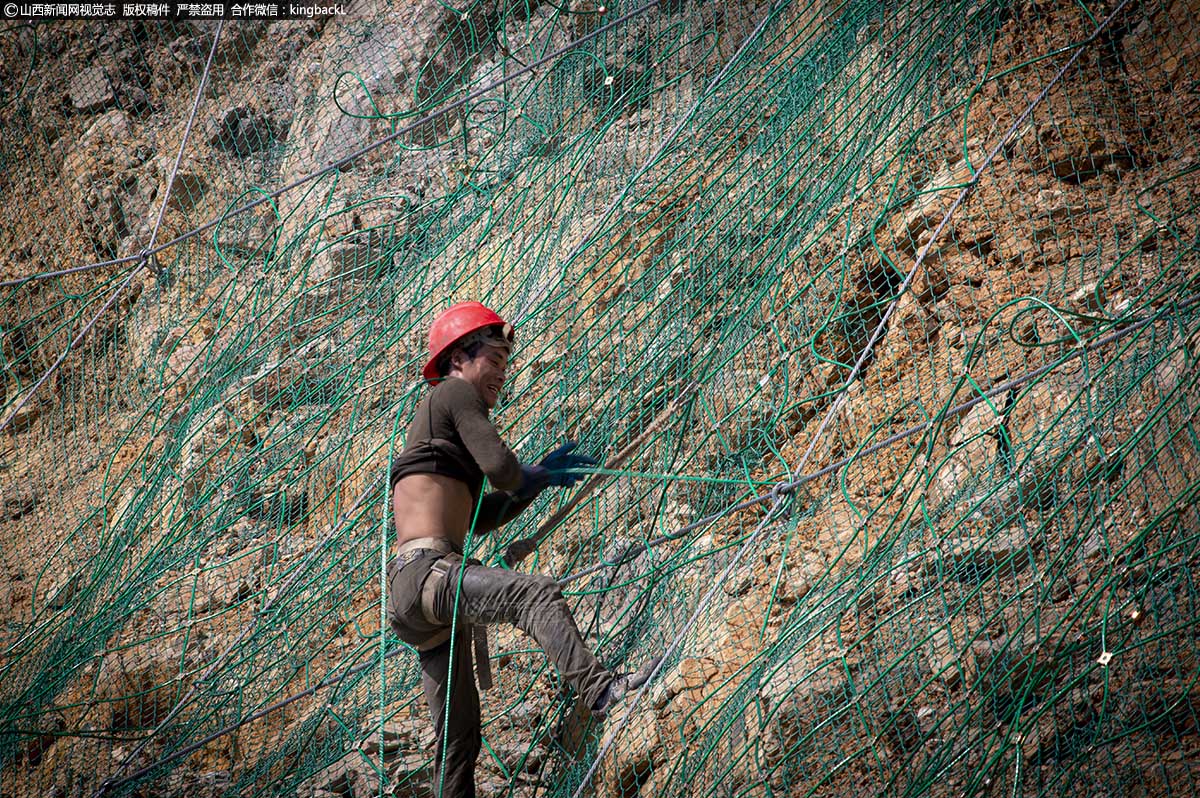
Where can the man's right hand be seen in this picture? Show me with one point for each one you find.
(534, 480)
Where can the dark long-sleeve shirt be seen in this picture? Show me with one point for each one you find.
(451, 435)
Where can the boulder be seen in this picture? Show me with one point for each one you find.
(250, 234)
(188, 187)
(797, 703)
(973, 451)
(23, 419)
(135, 99)
(40, 743)
(908, 232)
(689, 679)
(301, 374)
(99, 172)
(91, 90)
(944, 656)
(241, 131)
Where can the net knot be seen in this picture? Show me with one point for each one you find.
(147, 258)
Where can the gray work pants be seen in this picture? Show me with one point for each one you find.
(534, 604)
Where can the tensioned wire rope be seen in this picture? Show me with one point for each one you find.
(269, 197)
(778, 489)
(999, 389)
(144, 260)
(835, 407)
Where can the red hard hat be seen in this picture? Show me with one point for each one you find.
(454, 323)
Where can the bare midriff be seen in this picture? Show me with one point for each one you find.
(431, 506)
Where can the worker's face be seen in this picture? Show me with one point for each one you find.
(486, 371)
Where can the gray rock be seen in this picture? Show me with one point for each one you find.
(91, 90)
(135, 99)
(519, 758)
(241, 131)
(187, 190)
(977, 557)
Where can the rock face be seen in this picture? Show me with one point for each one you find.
(111, 181)
(981, 606)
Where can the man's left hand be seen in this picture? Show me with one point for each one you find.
(561, 460)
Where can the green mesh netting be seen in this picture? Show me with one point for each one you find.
(896, 303)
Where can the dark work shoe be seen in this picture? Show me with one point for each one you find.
(622, 686)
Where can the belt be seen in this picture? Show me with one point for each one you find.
(412, 549)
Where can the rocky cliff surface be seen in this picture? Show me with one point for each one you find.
(1000, 600)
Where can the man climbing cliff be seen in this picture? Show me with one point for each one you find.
(436, 484)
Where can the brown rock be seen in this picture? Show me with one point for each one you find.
(901, 732)
(945, 657)
(18, 501)
(691, 677)
(140, 692)
(187, 189)
(1088, 299)
(23, 419)
(518, 757)
(796, 703)
(66, 591)
(635, 754)
(745, 618)
(39, 744)
(1169, 707)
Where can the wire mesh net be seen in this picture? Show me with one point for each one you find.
(896, 302)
